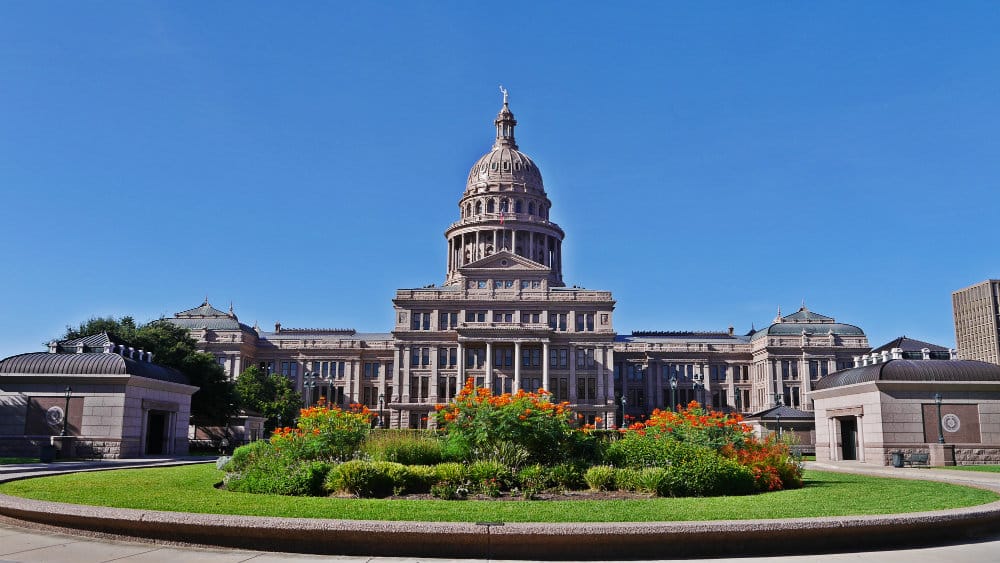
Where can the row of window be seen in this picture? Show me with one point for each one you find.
(584, 322)
(504, 206)
(503, 357)
(505, 284)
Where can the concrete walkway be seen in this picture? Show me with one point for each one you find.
(23, 542)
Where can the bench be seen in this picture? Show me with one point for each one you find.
(917, 458)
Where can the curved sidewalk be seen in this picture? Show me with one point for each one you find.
(541, 541)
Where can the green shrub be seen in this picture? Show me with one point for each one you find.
(635, 450)
(653, 480)
(278, 476)
(365, 479)
(567, 476)
(532, 480)
(600, 478)
(627, 479)
(490, 477)
(420, 478)
(455, 447)
(705, 473)
(508, 454)
(406, 447)
(452, 472)
(244, 456)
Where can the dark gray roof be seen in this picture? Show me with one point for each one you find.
(785, 412)
(87, 363)
(204, 310)
(319, 334)
(912, 370)
(649, 336)
(805, 315)
(92, 343)
(909, 345)
(225, 323)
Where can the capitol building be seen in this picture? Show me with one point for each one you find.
(505, 317)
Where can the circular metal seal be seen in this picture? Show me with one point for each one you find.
(54, 416)
(951, 422)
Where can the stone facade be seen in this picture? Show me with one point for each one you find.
(505, 318)
(977, 321)
(118, 405)
(868, 413)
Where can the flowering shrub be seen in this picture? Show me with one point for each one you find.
(529, 420)
(694, 424)
(771, 463)
(324, 434)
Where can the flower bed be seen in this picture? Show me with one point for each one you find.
(514, 445)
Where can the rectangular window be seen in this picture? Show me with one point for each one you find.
(420, 321)
(525, 357)
(536, 357)
(475, 316)
(563, 357)
(824, 368)
(531, 317)
(585, 322)
(447, 321)
(557, 321)
(503, 316)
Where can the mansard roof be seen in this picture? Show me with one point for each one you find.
(205, 316)
(909, 345)
(92, 343)
(912, 370)
(807, 322)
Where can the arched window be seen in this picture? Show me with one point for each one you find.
(490, 206)
(518, 205)
(479, 207)
(468, 209)
(531, 208)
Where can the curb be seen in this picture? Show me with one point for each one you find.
(584, 541)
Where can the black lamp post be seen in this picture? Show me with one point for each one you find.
(736, 398)
(69, 393)
(778, 417)
(937, 399)
(624, 401)
(381, 401)
(673, 392)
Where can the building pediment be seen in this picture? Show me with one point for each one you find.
(505, 261)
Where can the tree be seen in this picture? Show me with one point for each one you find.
(121, 330)
(270, 394)
(172, 346)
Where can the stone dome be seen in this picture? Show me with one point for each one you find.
(505, 165)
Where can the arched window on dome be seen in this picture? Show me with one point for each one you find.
(468, 209)
(479, 208)
(504, 206)
(518, 206)
(531, 208)
(490, 206)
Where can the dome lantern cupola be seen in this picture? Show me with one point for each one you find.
(505, 123)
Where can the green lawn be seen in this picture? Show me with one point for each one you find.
(13, 460)
(982, 468)
(190, 489)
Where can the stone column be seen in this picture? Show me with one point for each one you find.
(572, 374)
(489, 365)
(404, 390)
(545, 367)
(432, 391)
(609, 375)
(517, 366)
(600, 356)
(356, 375)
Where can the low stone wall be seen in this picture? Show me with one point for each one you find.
(977, 455)
(76, 447)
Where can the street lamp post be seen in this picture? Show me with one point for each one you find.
(673, 392)
(69, 393)
(778, 416)
(736, 398)
(937, 399)
(624, 401)
(381, 401)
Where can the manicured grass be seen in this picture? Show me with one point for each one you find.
(190, 489)
(982, 468)
(14, 460)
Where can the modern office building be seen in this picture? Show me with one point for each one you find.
(505, 317)
(977, 321)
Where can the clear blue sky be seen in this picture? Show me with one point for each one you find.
(708, 161)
